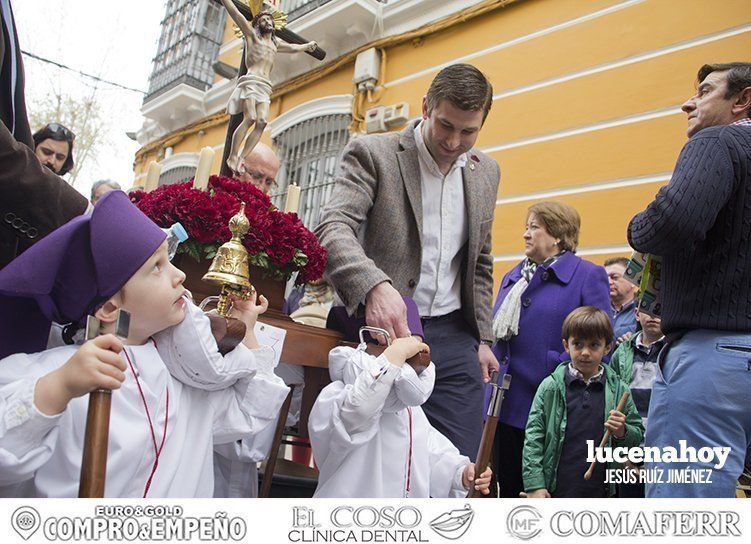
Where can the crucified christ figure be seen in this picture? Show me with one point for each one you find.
(252, 94)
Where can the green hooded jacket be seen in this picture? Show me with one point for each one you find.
(622, 361)
(546, 428)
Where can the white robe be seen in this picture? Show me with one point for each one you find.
(362, 451)
(236, 464)
(49, 448)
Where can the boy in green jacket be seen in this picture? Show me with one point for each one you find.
(572, 406)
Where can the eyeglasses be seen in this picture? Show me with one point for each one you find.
(57, 128)
(260, 178)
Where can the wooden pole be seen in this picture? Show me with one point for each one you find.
(621, 406)
(268, 473)
(482, 461)
(94, 462)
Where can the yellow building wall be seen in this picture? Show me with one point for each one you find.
(587, 101)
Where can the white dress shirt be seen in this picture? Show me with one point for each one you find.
(444, 233)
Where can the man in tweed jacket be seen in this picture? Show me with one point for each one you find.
(411, 214)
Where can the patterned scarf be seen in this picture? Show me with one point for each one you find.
(506, 320)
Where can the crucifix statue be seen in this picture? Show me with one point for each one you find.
(252, 94)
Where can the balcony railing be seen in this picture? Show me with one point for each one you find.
(297, 8)
(188, 46)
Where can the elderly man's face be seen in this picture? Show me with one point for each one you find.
(100, 191)
(52, 153)
(709, 107)
(260, 168)
(621, 290)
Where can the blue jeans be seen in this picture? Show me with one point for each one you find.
(702, 394)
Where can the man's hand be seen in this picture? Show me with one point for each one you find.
(310, 47)
(616, 424)
(488, 362)
(482, 483)
(385, 309)
(96, 365)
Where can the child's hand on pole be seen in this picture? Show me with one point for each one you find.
(96, 365)
(402, 349)
(616, 424)
(482, 483)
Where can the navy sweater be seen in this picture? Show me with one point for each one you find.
(700, 223)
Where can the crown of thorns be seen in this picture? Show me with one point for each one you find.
(279, 17)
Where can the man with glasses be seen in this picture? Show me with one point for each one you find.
(260, 168)
(53, 146)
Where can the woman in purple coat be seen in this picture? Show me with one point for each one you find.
(534, 299)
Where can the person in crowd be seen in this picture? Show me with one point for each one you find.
(635, 362)
(370, 437)
(171, 399)
(33, 200)
(622, 298)
(235, 464)
(534, 298)
(574, 405)
(700, 224)
(411, 214)
(53, 146)
(261, 168)
(101, 187)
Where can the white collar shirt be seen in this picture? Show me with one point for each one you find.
(444, 233)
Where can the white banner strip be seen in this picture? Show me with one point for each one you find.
(272, 521)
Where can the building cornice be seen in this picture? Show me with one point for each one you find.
(329, 105)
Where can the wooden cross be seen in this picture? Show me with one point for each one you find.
(235, 120)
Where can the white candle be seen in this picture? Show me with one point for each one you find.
(205, 162)
(152, 178)
(293, 199)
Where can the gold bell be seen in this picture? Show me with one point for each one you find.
(230, 265)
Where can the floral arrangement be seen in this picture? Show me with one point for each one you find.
(277, 241)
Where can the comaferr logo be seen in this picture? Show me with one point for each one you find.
(696, 523)
(453, 524)
(524, 522)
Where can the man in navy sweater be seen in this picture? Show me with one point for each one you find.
(700, 223)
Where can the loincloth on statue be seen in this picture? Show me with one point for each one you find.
(249, 86)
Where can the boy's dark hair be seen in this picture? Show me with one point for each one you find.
(738, 76)
(617, 260)
(586, 323)
(464, 86)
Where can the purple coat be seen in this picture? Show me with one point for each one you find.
(534, 353)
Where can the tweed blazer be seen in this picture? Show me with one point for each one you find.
(372, 224)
